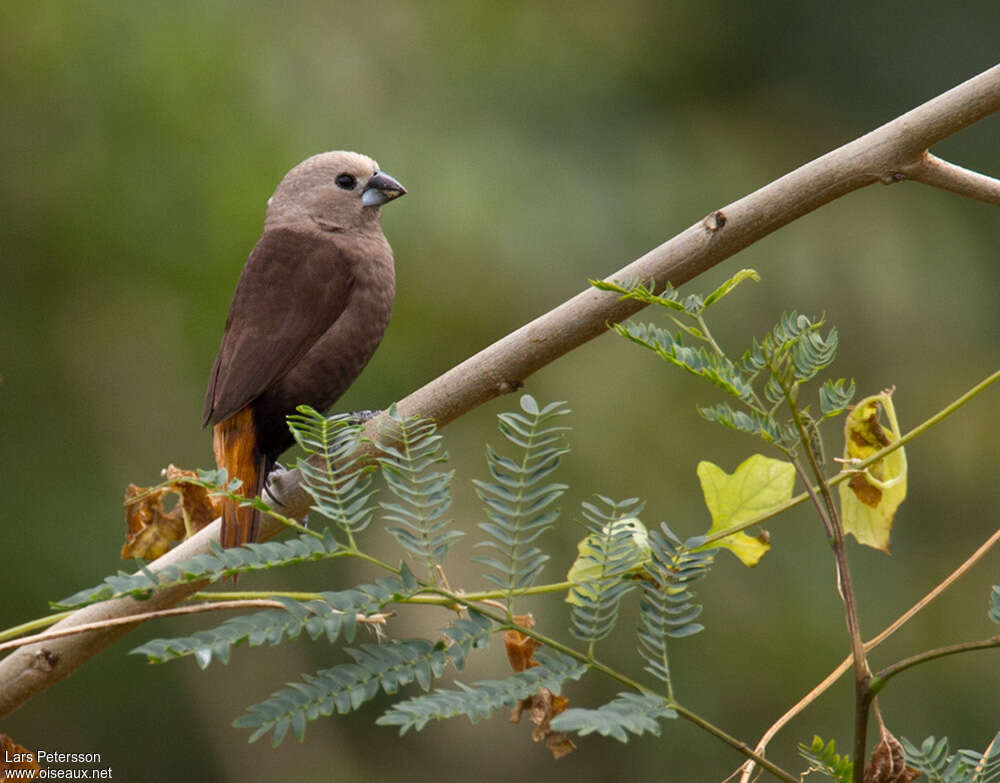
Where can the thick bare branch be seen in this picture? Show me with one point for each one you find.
(888, 154)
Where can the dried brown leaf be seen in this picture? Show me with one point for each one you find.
(542, 707)
(520, 647)
(14, 757)
(150, 529)
(887, 763)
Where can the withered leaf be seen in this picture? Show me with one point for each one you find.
(521, 648)
(150, 529)
(542, 707)
(15, 757)
(869, 499)
(887, 763)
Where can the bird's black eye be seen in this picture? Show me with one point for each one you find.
(346, 181)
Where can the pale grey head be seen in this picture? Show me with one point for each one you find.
(332, 191)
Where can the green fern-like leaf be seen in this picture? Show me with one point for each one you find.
(813, 352)
(718, 370)
(424, 495)
(823, 758)
(346, 687)
(750, 422)
(610, 557)
(479, 700)
(994, 612)
(332, 614)
(519, 505)
(628, 713)
(222, 562)
(340, 488)
(985, 766)
(665, 610)
(934, 761)
(835, 396)
(796, 350)
(740, 277)
(669, 298)
(467, 634)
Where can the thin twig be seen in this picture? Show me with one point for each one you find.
(214, 606)
(932, 170)
(882, 677)
(138, 618)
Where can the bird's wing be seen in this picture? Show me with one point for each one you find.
(292, 288)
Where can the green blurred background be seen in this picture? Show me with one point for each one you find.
(542, 144)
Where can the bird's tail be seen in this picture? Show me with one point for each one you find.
(235, 442)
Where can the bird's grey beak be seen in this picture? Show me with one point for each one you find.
(381, 188)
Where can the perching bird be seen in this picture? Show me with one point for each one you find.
(310, 308)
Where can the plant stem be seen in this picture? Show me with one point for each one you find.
(139, 618)
(254, 595)
(845, 586)
(33, 625)
(889, 672)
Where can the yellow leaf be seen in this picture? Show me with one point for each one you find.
(869, 499)
(756, 486)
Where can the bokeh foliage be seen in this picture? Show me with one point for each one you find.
(541, 145)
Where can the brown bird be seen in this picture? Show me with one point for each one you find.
(310, 308)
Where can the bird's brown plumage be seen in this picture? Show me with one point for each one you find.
(308, 312)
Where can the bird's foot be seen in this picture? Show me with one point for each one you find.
(360, 417)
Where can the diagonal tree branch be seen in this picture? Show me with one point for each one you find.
(888, 154)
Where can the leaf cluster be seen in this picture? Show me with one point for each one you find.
(423, 495)
(627, 713)
(611, 554)
(344, 688)
(665, 610)
(766, 377)
(823, 758)
(933, 760)
(479, 700)
(519, 503)
(332, 474)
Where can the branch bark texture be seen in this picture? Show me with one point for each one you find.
(893, 153)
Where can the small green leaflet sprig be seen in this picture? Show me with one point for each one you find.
(519, 506)
(823, 758)
(791, 354)
(340, 488)
(344, 688)
(332, 614)
(222, 562)
(424, 495)
(933, 760)
(665, 610)
(628, 712)
(479, 700)
(612, 555)
(994, 613)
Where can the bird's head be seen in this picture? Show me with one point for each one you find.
(332, 191)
